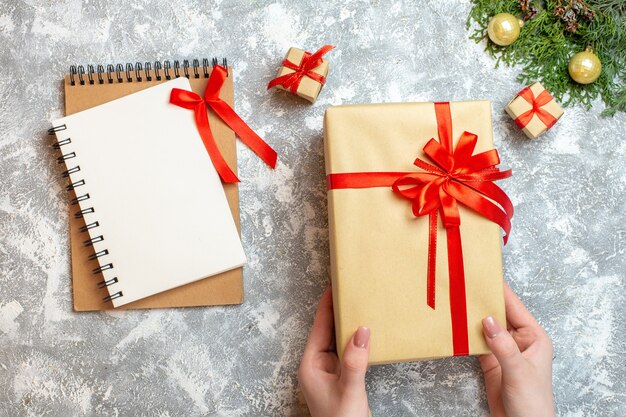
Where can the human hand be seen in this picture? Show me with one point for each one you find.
(518, 374)
(331, 388)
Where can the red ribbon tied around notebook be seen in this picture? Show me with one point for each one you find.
(454, 177)
(309, 62)
(537, 109)
(190, 100)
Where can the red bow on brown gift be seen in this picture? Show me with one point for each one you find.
(537, 103)
(190, 100)
(456, 176)
(309, 62)
(461, 177)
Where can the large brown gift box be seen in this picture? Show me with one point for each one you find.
(379, 249)
(534, 110)
(308, 88)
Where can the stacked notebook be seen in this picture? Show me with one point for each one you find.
(151, 224)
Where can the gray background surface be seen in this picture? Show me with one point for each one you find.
(565, 257)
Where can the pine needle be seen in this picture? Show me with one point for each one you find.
(544, 49)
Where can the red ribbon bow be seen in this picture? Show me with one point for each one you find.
(190, 100)
(455, 177)
(307, 65)
(537, 103)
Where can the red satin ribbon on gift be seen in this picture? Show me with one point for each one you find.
(190, 100)
(309, 62)
(455, 177)
(537, 103)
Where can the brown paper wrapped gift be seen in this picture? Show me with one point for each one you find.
(534, 110)
(380, 250)
(302, 73)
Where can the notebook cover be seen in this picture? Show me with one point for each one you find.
(225, 288)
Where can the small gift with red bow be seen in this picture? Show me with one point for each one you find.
(534, 110)
(415, 222)
(303, 73)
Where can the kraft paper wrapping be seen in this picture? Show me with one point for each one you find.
(308, 89)
(379, 249)
(535, 127)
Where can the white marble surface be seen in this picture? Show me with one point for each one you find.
(565, 257)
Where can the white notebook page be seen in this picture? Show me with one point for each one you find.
(158, 200)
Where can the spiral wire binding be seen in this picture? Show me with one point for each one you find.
(176, 68)
(137, 72)
(147, 70)
(119, 68)
(58, 145)
(166, 69)
(138, 68)
(90, 73)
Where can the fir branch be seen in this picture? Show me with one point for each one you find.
(545, 47)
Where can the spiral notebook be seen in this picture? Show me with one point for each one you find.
(103, 276)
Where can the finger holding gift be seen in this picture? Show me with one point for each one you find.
(354, 363)
(332, 389)
(319, 358)
(518, 373)
(516, 312)
(525, 329)
(503, 346)
(321, 337)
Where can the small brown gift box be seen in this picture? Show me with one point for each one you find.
(534, 110)
(308, 88)
(379, 249)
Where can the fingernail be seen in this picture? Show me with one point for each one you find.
(362, 337)
(491, 326)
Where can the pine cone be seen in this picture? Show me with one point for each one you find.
(559, 11)
(589, 15)
(531, 13)
(571, 27)
(570, 16)
(523, 4)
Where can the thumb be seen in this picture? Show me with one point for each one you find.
(503, 346)
(355, 358)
